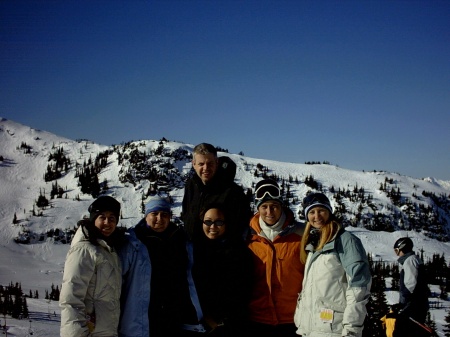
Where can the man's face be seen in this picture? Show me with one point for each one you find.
(158, 220)
(205, 165)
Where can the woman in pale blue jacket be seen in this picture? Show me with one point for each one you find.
(336, 284)
(135, 298)
(155, 297)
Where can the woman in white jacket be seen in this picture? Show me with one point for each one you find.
(336, 284)
(90, 292)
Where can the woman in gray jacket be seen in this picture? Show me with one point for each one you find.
(90, 292)
(336, 284)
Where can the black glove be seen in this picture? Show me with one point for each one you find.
(314, 236)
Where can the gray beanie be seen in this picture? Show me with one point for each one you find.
(157, 204)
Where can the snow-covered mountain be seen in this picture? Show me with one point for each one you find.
(35, 164)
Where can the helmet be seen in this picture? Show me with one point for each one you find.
(404, 245)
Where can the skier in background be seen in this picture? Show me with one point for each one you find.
(414, 289)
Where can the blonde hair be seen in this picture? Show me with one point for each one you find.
(205, 149)
(327, 234)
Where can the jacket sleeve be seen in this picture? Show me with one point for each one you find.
(411, 270)
(354, 261)
(126, 254)
(74, 297)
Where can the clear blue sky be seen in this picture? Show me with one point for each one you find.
(361, 84)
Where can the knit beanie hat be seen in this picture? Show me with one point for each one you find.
(314, 200)
(157, 204)
(102, 204)
(265, 190)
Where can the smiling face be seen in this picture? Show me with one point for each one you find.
(158, 220)
(205, 165)
(270, 212)
(318, 216)
(106, 223)
(217, 217)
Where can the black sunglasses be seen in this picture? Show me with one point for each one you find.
(218, 223)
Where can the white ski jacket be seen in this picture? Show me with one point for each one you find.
(336, 288)
(90, 292)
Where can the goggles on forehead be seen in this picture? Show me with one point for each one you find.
(267, 189)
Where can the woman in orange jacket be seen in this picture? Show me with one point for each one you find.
(278, 273)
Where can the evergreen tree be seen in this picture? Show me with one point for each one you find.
(7, 305)
(395, 282)
(16, 307)
(42, 201)
(430, 322)
(105, 186)
(377, 306)
(446, 327)
(95, 186)
(54, 294)
(25, 311)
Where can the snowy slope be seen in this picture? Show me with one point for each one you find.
(39, 265)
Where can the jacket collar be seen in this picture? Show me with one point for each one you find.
(289, 226)
(402, 259)
(329, 246)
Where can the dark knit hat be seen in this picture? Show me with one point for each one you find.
(103, 204)
(315, 200)
(157, 204)
(265, 190)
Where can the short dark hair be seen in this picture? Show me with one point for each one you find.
(207, 207)
(205, 148)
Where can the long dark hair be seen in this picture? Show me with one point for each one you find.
(93, 234)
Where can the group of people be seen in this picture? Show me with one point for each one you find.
(225, 271)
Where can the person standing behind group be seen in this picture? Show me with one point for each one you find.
(155, 294)
(214, 183)
(222, 275)
(90, 292)
(278, 272)
(414, 289)
(388, 322)
(336, 287)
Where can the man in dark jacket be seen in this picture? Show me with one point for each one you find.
(214, 183)
(414, 289)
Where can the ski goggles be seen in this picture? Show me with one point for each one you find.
(267, 189)
(218, 223)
